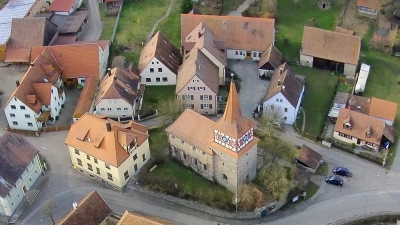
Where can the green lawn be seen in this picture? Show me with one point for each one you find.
(109, 23)
(319, 94)
(322, 170)
(153, 95)
(311, 190)
(291, 18)
(171, 26)
(344, 87)
(158, 140)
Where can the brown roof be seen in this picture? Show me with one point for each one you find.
(284, 81)
(16, 153)
(30, 84)
(163, 50)
(309, 157)
(74, 22)
(61, 5)
(355, 101)
(272, 56)
(383, 109)
(344, 30)
(87, 97)
(372, 4)
(71, 60)
(239, 32)
(91, 210)
(135, 218)
(359, 124)
(64, 39)
(341, 98)
(89, 134)
(197, 64)
(331, 45)
(203, 37)
(198, 132)
(389, 132)
(17, 55)
(120, 83)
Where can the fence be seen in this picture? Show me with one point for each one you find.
(59, 128)
(116, 22)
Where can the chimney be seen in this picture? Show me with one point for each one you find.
(17, 83)
(74, 205)
(199, 33)
(358, 108)
(280, 70)
(279, 82)
(109, 72)
(108, 125)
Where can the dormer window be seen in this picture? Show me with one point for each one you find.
(368, 134)
(347, 125)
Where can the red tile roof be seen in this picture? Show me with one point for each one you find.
(372, 4)
(87, 97)
(61, 5)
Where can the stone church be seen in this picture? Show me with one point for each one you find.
(224, 151)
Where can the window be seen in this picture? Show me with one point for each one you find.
(12, 115)
(194, 148)
(135, 167)
(259, 54)
(346, 136)
(115, 101)
(15, 123)
(151, 70)
(30, 124)
(254, 54)
(195, 162)
(126, 175)
(191, 88)
(184, 155)
(160, 70)
(280, 100)
(102, 109)
(55, 98)
(125, 109)
(148, 79)
(119, 109)
(182, 142)
(157, 79)
(13, 107)
(206, 106)
(204, 167)
(107, 166)
(195, 80)
(284, 118)
(201, 88)
(236, 53)
(286, 109)
(277, 99)
(79, 162)
(97, 170)
(89, 166)
(109, 109)
(134, 157)
(224, 177)
(12, 204)
(18, 196)
(22, 107)
(95, 160)
(144, 157)
(205, 97)
(109, 175)
(88, 156)
(189, 106)
(188, 97)
(165, 79)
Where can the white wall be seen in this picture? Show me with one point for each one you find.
(306, 60)
(241, 54)
(104, 106)
(56, 102)
(280, 101)
(19, 116)
(155, 64)
(103, 60)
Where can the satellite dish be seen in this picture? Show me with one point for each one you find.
(75, 205)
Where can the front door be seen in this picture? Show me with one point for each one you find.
(358, 141)
(248, 55)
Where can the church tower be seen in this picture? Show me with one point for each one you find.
(234, 144)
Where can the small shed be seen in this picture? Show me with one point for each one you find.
(362, 79)
(309, 159)
(340, 101)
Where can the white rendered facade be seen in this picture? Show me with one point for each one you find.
(156, 73)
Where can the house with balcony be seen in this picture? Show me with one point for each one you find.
(120, 94)
(285, 93)
(19, 172)
(368, 8)
(197, 84)
(38, 97)
(107, 150)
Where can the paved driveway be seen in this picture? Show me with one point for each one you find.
(94, 26)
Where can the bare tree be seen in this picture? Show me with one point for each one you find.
(275, 181)
(247, 198)
(272, 119)
(48, 209)
(170, 110)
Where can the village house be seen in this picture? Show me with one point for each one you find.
(131, 218)
(362, 130)
(119, 94)
(308, 159)
(159, 61)
(39, 96)
(335, 51)
(224, 151)
(285, 91)
(368, 8)
(19, 172)
(107, 150)
(86, 99)
(64, 7)
(203, 39)
(245, 37)
(197, 83)
(269, 60)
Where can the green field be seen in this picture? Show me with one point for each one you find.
(109, 23)
(171, 26)
(153, 95)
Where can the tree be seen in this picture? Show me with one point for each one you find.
(186, 6)
(170, 110)
(48, 209)
(275, 181)
(247, 198)
(278, 149)
(272, 119)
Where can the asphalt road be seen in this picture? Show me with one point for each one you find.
(94, 26)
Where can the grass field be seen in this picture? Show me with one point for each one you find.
(319, 93)
(153, 95)
(171, 26)
(311, 190)
(109, 23)
(290, 26)
(158, 140)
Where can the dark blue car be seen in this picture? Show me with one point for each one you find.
(334, 180)
(342, 171)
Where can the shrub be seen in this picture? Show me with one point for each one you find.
(186, 6)
(62, 106)
(353, 145)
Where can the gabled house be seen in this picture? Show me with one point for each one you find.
(119, 94)
(335, 51)
(86, 99)
(39, 96)
(245, 37)
(269, 60)
(90, 210)
(197, 83)
(362, 130)
(368, 8)
(131, 218)
(107, 150)
(285, 91)
(64, 7)
(159, 61)
(309, 159)
(224, 151)
(203, 39)
(19, 171)
(25, 34)
(77, 69)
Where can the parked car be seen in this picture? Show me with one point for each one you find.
(342, 171)
(334, 180)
